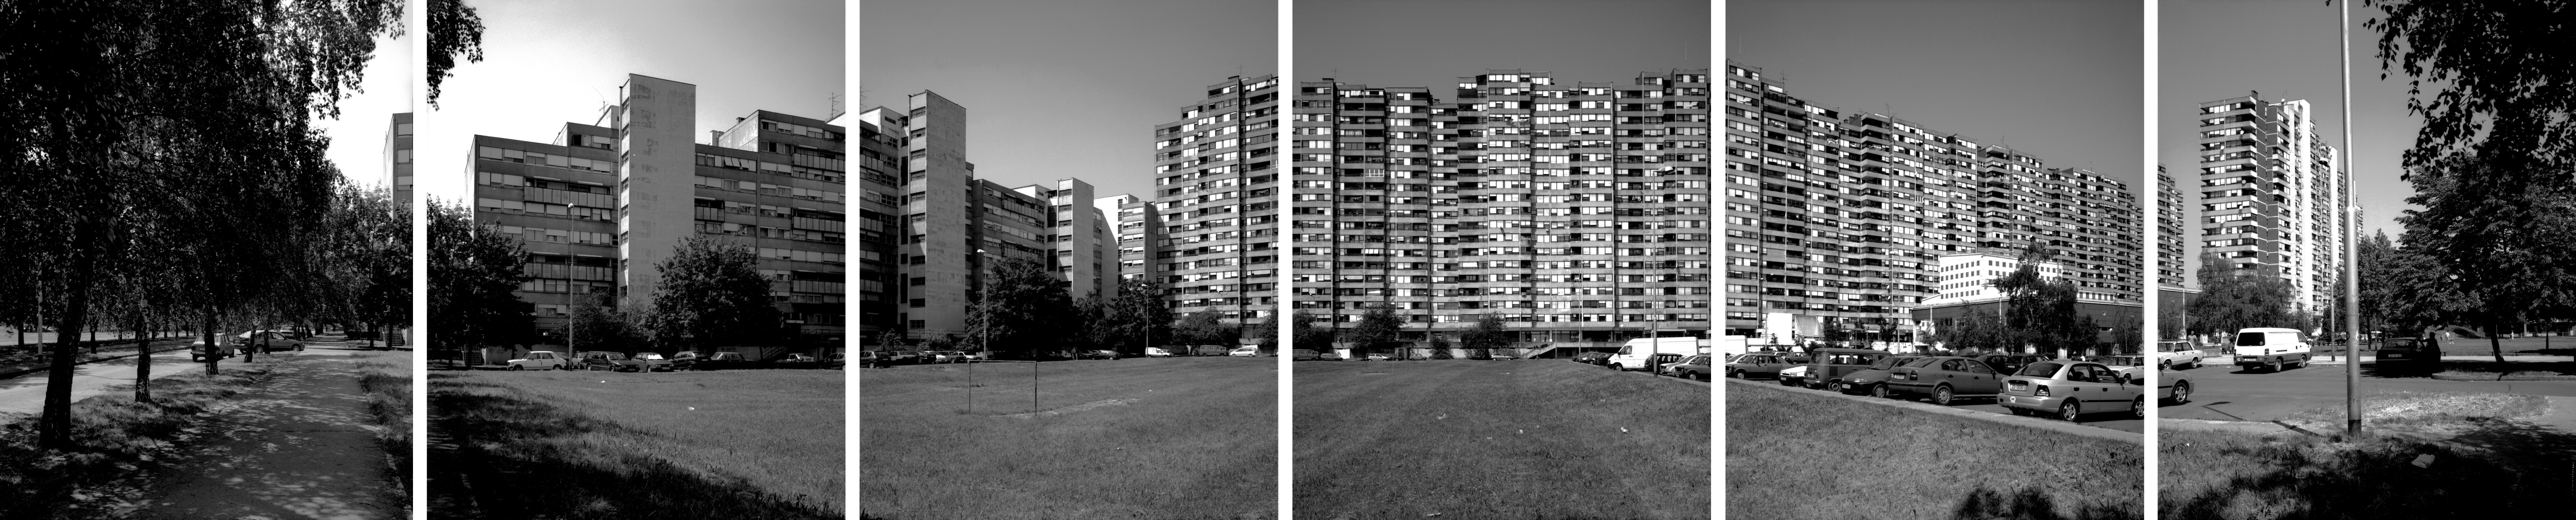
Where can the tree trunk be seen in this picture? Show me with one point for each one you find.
(250, 353)
(206, 331)
(142, 361)
(54, 429)
(2495, 340)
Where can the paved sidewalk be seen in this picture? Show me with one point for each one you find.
(299, 445)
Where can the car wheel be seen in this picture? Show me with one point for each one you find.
(2182, 392)
(2274, 366)
(515, 368)
(1941, 395)
(1839, 387)
(2164, 365)
(1881, 391)
(2068, 411)
(2138, 408)
(1738, 374)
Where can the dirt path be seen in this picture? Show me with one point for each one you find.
(298, 446)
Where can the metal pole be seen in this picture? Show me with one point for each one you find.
(2352, 250)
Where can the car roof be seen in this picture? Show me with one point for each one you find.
(2265, 329)
(1837, 350)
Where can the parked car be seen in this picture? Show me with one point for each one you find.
(1756, 364)
(542, 360)
(834, 361)
(2178, 353)
(2270, 348)
(1828, 365)
(870, 359)
(1869, 380)
(652, 362)
(1638, 354)
(1096, 354)
(1591, 358)
(720, 361)
(1303, 355)
(800, 361)
(604, 360)
(1244, 352)
(1794, 372)
(1380, 357)
(269, 340)
(2132, 366)
(2002, 363)
(2409, 350)
(947, 356)
(1943, 378)
(1657, 364)
(1694, 367)
(197, 351)
(900, 357)
(2069, 389)
(1499, 357)
(1155, 352)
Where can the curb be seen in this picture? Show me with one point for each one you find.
(2028, 422)
(2258, 428)
(2504, 377)
(22, 372)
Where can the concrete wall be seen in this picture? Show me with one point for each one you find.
(657, 180)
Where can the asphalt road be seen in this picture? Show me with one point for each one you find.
(26, 394)
(2105, 420)
(2223, 393)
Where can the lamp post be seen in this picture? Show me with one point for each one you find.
(984, 308)
(2352, 254)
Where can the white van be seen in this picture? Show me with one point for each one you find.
(1639, 353)
(1157, 352)
(1244, 352)
(2272, 348)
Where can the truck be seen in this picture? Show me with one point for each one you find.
(2270, 348)
(1639, 354)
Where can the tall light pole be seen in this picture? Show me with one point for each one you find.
(983, 308)
(2351, 247)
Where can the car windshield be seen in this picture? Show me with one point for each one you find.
(1922, 362)
(2249, 339)
(2040, 369)
(1889, 362)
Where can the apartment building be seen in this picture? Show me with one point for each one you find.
(1137, 233)
(2271, 202)
(1839, 221)
(944, 227)
(398, 159)
(1577, 212)
(601, 205)
(1210, 238)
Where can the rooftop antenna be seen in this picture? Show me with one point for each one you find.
(834, 100)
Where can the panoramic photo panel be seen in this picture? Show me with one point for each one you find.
(2435, 388)
(1070, 278)
(207, 260)
(1501, 261)
(636, 262)
(1929, 305)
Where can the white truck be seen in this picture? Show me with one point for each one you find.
(1639, 354)
(2271, 348)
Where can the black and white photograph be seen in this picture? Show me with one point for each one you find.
(1935, 282)
(1071, 272)
(205, 260)
(1500, 244)
(2371, 287)
(637, 260)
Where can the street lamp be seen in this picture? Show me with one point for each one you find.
(984, 307)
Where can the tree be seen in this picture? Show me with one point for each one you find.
(1378, 329)
(892, 339)
(121, 117)
(1130, 321)
(455, 30)
(1305, 331)
(1029, 308)
(473, 269)
(1488, 334)
(712, 294)
(2501, 228)
(1204, 328)
(2232, 299)
(598, 324)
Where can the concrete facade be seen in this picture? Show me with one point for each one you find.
(398, 159)
(1841, 218)
(1214, 234)
(1577, 212)
(2270, 200)
(601, 206)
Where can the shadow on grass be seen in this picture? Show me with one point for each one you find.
(2028, 504)
(494, 453)
(114, 438)
(2500, 469)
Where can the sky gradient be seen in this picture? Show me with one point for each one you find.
(2061, 81)
(1386, 43)
(358, 136)
(1057, 89)
(557, 61)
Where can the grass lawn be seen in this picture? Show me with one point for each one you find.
(2497, 469)
(722, 444)
(1792, 455)
(1497, 439)
(115, 437)
(1182, 438)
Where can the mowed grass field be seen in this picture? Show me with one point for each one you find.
(2480, 461)
(1533, 439)
(1791, 455)
(718, 444)
(1179, 438)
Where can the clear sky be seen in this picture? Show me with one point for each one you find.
(2059, 80)
(1431, 43)
(358, 136)
(1062, 88)
(2284, 49)
(557, 61)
